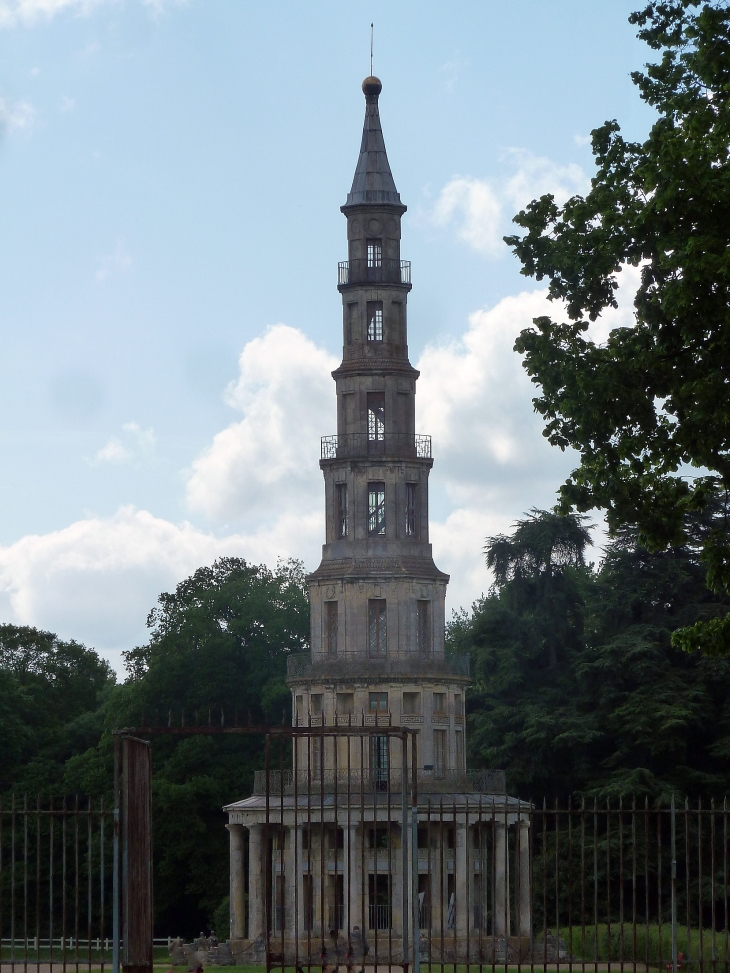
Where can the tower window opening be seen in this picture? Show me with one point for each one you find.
(379, 913)
(376, 416)
(459, 750)
(411, 704)
(439, 704)
(341, 518)
(315, 756)
(316, 701)
(379, 761)
(345, 704)
(458, 706)
(439, 753)
(377, 635)
(423, 611)
(411, 509)
(376, 508)
(378, 702)
(331, 618)
(308, 902)
(375, 320)
(375, 253)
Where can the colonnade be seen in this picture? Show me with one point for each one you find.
(350, 872)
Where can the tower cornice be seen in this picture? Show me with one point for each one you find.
(375, 366)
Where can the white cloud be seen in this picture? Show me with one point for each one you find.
(112, 264)
(97, 579)
(138, 441)
(15, 116)
(268, 461)
(480, 210)
(29, 12)
(474, 206)
(491, 461)
(113, 452)
(67, 103)
(144, 438)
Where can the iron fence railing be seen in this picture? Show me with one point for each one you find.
(56, 884)
(343, 873)
(301, 665)
(384, 271)
(356, 444)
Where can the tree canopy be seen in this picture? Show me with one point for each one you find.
(579, 691)
(650, 405)
(52, 698)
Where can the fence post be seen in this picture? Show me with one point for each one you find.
(414, 890)
(115, 860)
(674, 888)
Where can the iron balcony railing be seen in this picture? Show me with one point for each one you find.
(327, 781)
(299, 665)
(386, 271)
(379, 916)
(395, 444)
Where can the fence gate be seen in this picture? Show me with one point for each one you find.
(330, 832)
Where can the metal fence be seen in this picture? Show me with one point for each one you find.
(56, 884)
(343, 872)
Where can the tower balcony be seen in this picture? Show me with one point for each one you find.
(363, 271)
(396, 445)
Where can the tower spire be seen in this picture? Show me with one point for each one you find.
(373, 181)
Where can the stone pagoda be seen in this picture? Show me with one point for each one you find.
(377, 659)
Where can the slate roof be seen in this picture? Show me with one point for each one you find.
(373, 182)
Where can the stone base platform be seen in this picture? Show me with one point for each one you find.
(486, 950)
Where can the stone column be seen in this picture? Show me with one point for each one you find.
(237, 894)
(347, 867)
(300, 861)
(256, 881)
(501, 879)
(292, 882)
(461, 883)
(524, 898)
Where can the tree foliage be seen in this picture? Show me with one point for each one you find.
(618, 710)
(219, 641)
(52, 697)
(653, 400)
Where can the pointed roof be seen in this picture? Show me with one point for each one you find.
(373, 181)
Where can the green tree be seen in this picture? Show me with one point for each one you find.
(52, 696)
(624, 712)
(220, 641)
(653, 400)
(534, 559)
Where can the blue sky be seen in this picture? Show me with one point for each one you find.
(170, 181)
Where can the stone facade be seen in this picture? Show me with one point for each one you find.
(377, 658)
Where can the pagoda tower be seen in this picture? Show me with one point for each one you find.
(377, 598)
(335, 856)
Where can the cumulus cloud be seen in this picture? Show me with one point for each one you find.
(15, 116)
(97, 579)
(480, 210)
(268, 460)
